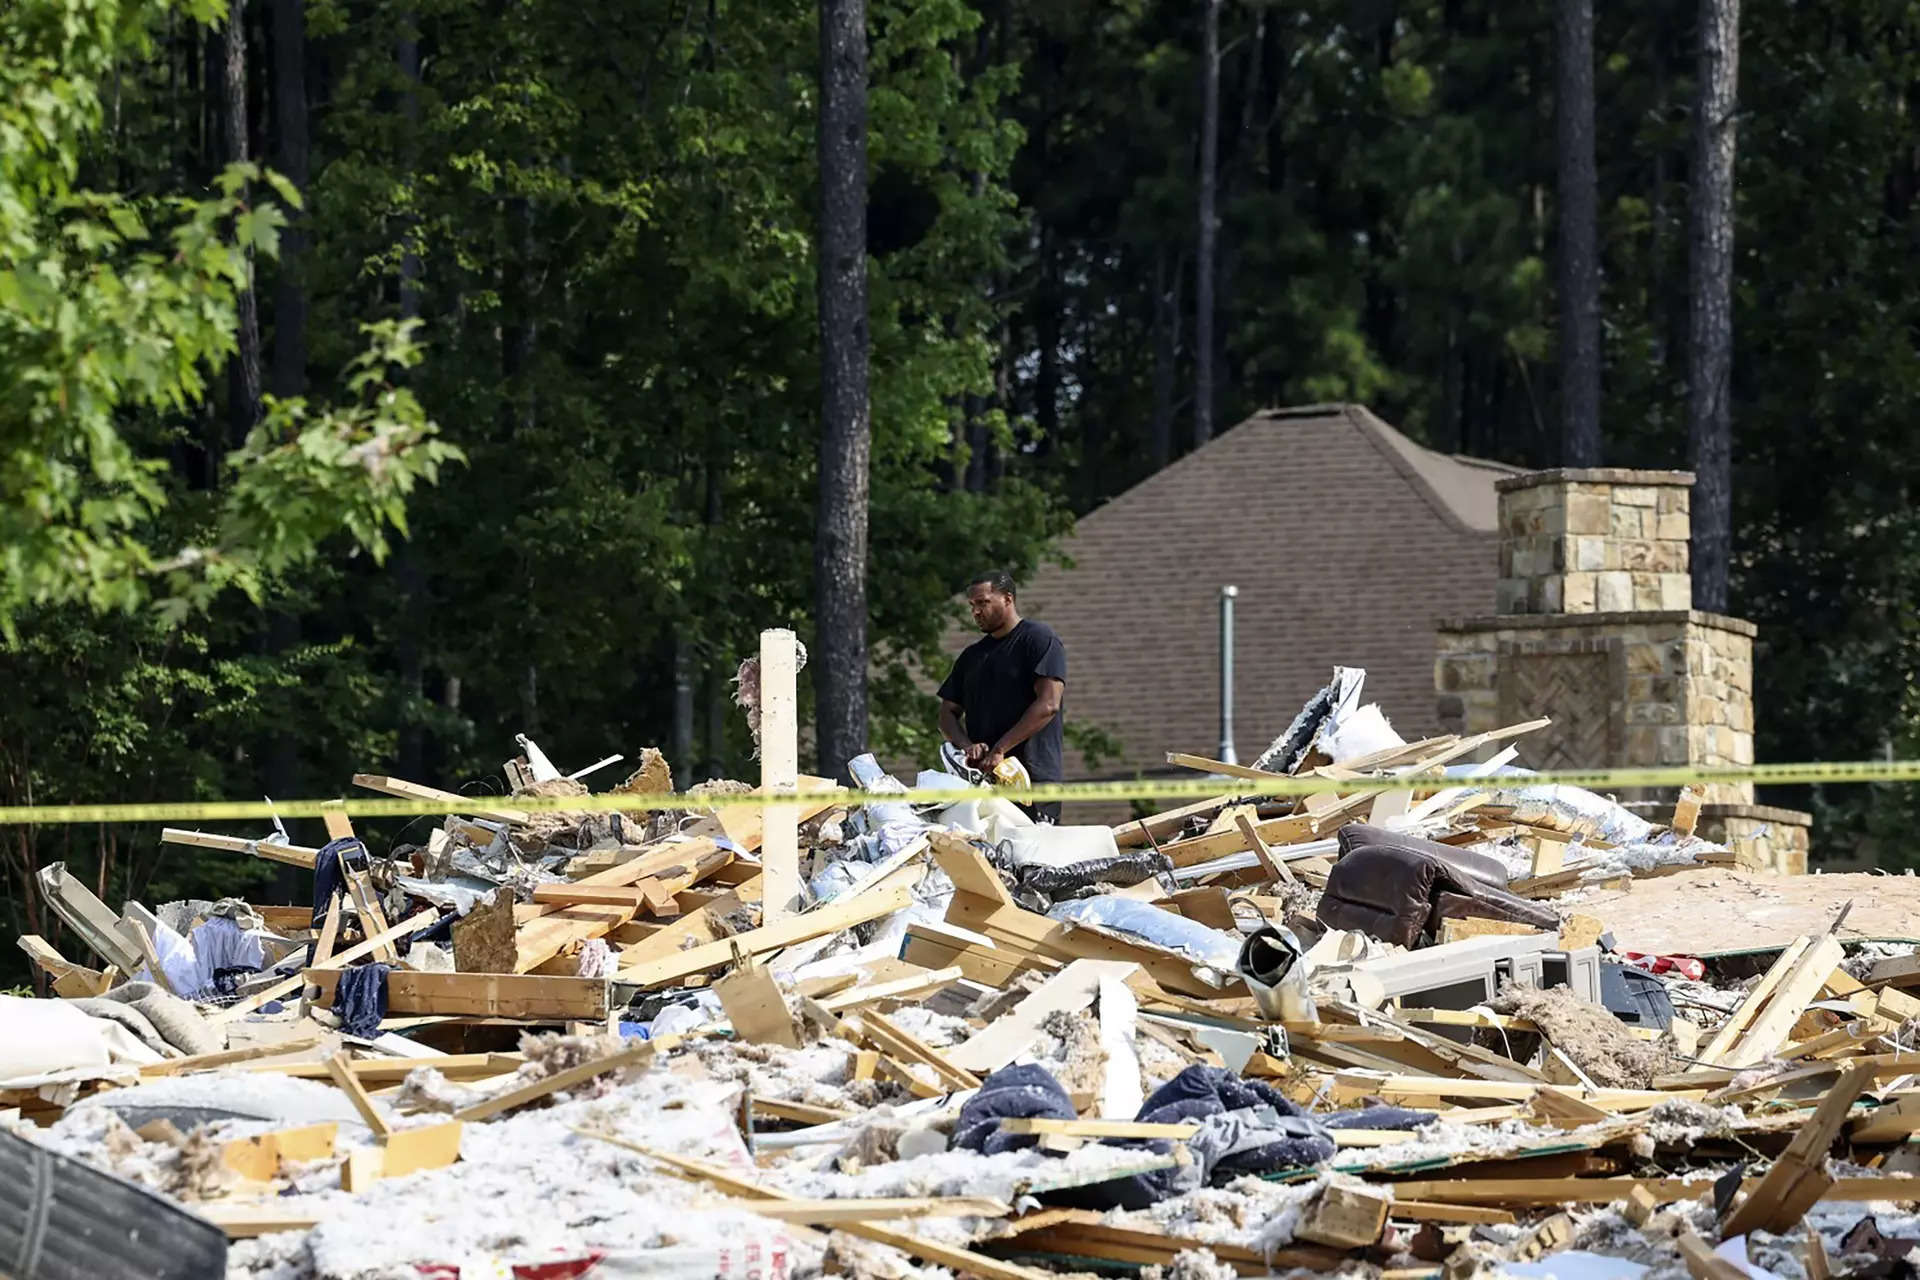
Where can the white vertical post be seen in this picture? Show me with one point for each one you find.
(779, 772)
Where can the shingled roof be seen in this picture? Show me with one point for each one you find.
(1347, 540)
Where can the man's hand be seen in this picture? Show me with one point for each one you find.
(991, 761)
(977, 752)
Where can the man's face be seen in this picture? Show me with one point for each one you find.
(991, 608)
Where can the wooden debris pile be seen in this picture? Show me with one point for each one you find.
(684, 1061)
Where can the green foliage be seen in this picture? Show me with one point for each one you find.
(114, 310)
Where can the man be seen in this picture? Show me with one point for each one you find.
(1004, 694)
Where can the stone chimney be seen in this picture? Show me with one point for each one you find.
(1595, 628)
(1599, 540)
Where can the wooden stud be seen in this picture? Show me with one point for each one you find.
(895, 1043)
(633, 1055)
(1641, 1205)
(136, 933)
(1276, 869)
(1799, 1175)
(484, 995)
(227, 1057)
(373, 921)
(401, 788)
(897, 989)
(339, 826)
(329, 930)
(1702, 1262)
(798, 1112)
(964, 1261)
(292, 855)
(779, 772)
(1429, 1211)
(338, 1067)
(832, 918)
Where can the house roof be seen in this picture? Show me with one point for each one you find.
(1346, 541)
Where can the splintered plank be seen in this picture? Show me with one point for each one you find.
(404, 790)
(548, 929)
(227, 1057)
(1157, 827)
(586, 895)
(1764, 1020)
(857, 909)
(1524, 1192)
(292, 855)
(897, 1044)
(340, 1068)
(699, 926)
(1008, 1036)
(485, 995)
(633, 1055)
(1799, 1177)
(964, 1261)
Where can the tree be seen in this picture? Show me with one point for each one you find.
(1207, 229)
(1710, 300)
(114, 310)
(243, 366)
(840, 541)
(1578, 260)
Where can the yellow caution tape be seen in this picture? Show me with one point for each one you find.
(1200, 787)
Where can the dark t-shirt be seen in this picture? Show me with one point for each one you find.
(992, 680)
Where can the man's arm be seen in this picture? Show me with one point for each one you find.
(950, 728)
(1047, 696)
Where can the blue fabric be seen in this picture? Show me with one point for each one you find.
(361, 999)
(1009, 1093)
(1237, 1135)
(329, 878)
(1379, 1116)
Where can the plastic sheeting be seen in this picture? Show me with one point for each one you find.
(1153, 924)
(1122, 869)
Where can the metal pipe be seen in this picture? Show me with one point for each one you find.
(1227, 595)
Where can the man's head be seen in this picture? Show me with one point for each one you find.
(990, 596)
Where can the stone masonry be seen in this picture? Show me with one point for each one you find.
(1594, 541)
(1595, 629)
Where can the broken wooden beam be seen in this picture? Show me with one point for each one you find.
(484, 995)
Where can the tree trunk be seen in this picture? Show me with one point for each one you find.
(1166, 354)
(243, 370)
(840, 537)
(289, 28)
(1579, 235)
(1208, 226)
(287, 24)
(1710, 301)
(409, 561)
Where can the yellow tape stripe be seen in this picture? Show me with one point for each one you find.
(1165, 789)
